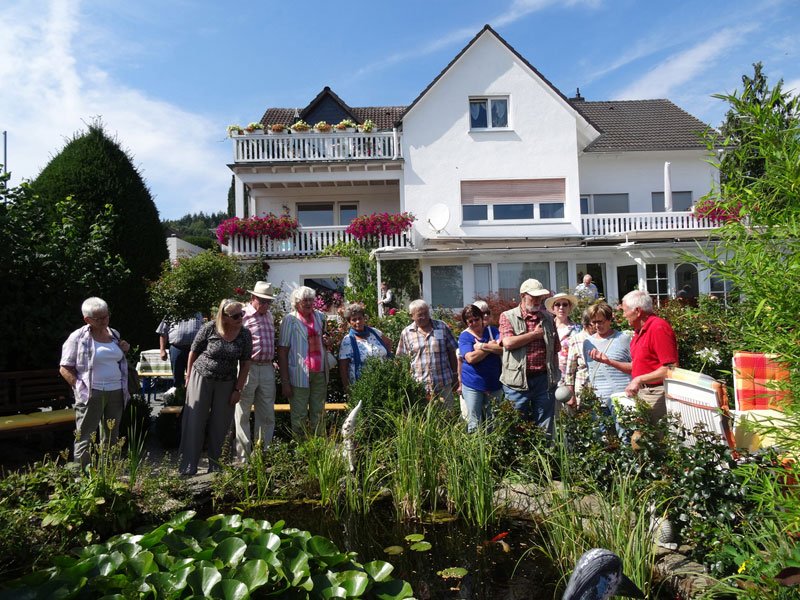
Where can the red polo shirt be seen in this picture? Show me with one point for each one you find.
(653, 346)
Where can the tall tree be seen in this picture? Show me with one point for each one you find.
(95, 171)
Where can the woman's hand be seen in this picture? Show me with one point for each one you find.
(598, 356)
(124, 346)
(235, 397)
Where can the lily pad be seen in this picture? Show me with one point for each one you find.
(394, 550)
(415, 537)
(421, 546)
(452, 573)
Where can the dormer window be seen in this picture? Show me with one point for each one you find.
(488, 113)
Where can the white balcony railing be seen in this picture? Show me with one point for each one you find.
(294, 147)
(307, 241)
(621, 223)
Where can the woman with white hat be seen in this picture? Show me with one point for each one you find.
(561, 306)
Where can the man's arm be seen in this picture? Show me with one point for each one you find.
(512, 342)
(652, 377)
(162, 346)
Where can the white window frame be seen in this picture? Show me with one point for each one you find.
(490, 220)
(590, 203)
(489, 100)
(336, 208)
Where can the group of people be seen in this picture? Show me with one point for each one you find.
(229, 363)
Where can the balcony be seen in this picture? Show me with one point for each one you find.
(316, 147)
(620, 224)
(306, 241)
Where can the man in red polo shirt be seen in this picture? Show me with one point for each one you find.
(654, 349)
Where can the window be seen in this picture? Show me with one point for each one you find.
(681, 201)
(512, 275)
(488, 113)
(686, 280)
(597, 204)
(562, 276)
(447, 286)
(657, 284)
(326, 214)
(513, 200)
(483, 280)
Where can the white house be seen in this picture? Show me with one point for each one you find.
(508, 178)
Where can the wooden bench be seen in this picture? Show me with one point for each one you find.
(33, 401)
(332, 406)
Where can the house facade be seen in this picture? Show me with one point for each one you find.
(508, 179)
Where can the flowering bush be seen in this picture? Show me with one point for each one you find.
(326, 299)
(716, 211)
(270, 226)
(376, 224)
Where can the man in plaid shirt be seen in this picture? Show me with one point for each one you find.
(432, 348)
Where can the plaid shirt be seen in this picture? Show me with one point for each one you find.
(536, 355)
(430, 354)
(262, 330)
(576, 372)
(78, 353)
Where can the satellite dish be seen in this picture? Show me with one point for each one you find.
(438, 217)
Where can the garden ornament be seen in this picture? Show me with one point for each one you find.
(662, 530)
(348, 433)
(598, 575)
(563, 393)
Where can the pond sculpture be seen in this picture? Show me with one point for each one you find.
(598, 575)
(348, 435)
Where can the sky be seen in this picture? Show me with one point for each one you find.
(166, 77)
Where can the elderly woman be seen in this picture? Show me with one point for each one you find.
(576, 374)
(361, 342)
(213, 385)
(480, 372)
(93, 363)
(303, 362)
(607, 354)
(561, 306)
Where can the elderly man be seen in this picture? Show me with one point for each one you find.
(587, 289)
(179, 335)
(530, 370)
(654, 349)
(259, 389)
(432, 348)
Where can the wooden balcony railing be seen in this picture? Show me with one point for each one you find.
(307, 241)
(311, 147)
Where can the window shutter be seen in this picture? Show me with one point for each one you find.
(517, 191)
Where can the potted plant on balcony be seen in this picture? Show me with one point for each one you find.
(323, 127)
(277, 128)
(345, 125)
(368, 126)
(300, 127)
(254, 128)
(234, 130)
(270, 226)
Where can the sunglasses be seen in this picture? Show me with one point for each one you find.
(236, 317)
(562, 304)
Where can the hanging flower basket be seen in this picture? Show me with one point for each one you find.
(270, 226)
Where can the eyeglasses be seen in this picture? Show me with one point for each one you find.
(263, 300)
(486, 314)
(562, 304)
(101, 317)
(599, 322)
(235, 317)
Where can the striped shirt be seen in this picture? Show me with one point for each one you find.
(430, 354)
(262, 330)
(294, 336)
(181, 333)
(576, 372)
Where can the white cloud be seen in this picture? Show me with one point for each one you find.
(678, 69)
(51, 92)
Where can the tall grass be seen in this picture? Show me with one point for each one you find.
(367, 483)
(328, 466)
(578, 516)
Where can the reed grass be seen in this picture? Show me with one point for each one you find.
(369, 480)
(328, 466)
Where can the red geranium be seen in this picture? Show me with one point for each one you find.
(377, 224)
(269, 226)
(716, 211)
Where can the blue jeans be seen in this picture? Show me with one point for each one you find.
(537, 403)
(479, 405)
(179, 359)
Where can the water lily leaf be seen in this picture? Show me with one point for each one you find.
(232, 522)
(203, 579)
(199, 530)
(167, 585)
(267, 539)
(421, 546)
(298, 565)
(128, 549)
(253, 573)
(394, 550)
(355, 582)
(379, 570)
(181, 519)
(230, 589)
(321, 546)
(142, 564)
(230, 551)
(415, 537)
(109, 563)
(396, 589)
(333, 593)
(452, 573)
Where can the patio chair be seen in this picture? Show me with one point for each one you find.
(699, 399)
(153, 372)
(756, 381)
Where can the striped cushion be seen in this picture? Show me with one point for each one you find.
(151, 365)
(755, 379)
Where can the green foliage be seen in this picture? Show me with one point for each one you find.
(61, 253)
(93, 168)
(386, 388)
(195, 225)
(194, 284)
(224, 556)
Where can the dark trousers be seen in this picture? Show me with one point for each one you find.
(179, 359)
